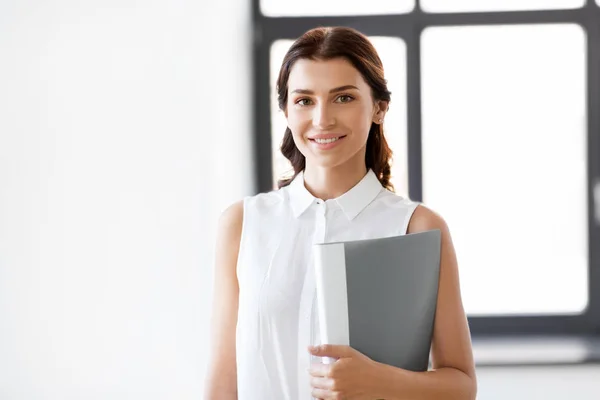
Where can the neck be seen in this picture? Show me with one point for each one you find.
(329, 183)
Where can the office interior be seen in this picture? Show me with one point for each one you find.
(126, 128)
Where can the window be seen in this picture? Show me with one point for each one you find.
(280, 8)
(439, 6)
(504, 129)
(489, 112)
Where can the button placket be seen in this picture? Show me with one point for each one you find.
(307, 302)
(321, 222)
(320, 234)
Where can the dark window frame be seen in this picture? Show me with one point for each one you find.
(409, 27)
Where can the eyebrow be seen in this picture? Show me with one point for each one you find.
(335, 90)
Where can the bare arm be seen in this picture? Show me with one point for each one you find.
(453, 375)
(221, 379)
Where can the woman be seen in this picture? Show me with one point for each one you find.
(333, 93)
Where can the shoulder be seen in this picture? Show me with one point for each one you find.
(426, 219)
(389, 199)
(230, 220)
(233, 215)
(265, 200)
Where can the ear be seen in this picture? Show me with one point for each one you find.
(379, 111)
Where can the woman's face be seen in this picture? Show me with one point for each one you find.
(330, 109)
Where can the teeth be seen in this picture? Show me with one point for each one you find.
(325, 141)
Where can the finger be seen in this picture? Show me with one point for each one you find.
(321, 383)
(319, 369)
(331, 350)
(322, 394)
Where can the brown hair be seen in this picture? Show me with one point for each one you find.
(326, 43)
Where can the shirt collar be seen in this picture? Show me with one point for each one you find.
(352, 202)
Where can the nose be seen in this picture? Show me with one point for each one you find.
(323, 116)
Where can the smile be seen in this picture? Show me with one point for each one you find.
(326, 143)
(327, 140)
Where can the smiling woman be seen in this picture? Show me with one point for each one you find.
(392, 51)
(325, 96)
(318, 119)
(333, 93)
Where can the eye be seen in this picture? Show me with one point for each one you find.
(303, 102)
(344, 98)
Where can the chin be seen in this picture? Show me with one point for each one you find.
(335, 160)
(327, 162)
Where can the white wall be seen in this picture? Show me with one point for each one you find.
(124, 131)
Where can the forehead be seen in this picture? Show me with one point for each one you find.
(324, 75)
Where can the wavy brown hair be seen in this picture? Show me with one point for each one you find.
(326, 43)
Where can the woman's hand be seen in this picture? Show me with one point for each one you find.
(353, 376)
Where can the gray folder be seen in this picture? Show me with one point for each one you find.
(379, 296)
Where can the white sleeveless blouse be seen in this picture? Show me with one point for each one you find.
(277, 318)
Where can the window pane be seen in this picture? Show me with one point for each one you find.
(497, 5)
(392, 52)
(393, 55)
(504, 161)
(281, 166)
(280, 8)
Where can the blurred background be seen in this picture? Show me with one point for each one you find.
(126, 127)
